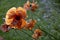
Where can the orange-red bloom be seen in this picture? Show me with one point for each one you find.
(37, 33)
(15, 17)
(30, 25)
(34, 6)
(31, 6)
(27, 5)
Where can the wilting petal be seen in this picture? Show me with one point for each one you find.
(4, 28)
(9, 15)
(21, 12)
(37, 34)
(31, 24)
(21, 24)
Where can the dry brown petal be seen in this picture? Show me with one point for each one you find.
(5, 28)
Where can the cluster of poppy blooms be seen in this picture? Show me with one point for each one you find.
(16, 19)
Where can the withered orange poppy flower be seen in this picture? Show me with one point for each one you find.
(31, 24)
(37, 33)
(31, 6)
(27, 5)
(15, 17)
(34, 6)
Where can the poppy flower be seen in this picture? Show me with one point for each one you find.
(31, 6)
(15, 17)
(30, 25)
(27, 5)
(34, 6)
(37, 34)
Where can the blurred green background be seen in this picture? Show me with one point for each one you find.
(47, 16)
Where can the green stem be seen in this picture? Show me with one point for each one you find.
(27, 33)
(18, 34)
